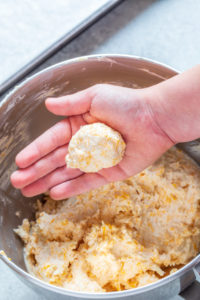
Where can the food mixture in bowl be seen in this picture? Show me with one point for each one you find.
(120, 236)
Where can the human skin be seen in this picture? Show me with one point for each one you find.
(151, 120)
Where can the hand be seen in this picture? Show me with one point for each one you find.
(42, 163)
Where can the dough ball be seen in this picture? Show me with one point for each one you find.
(94, 147)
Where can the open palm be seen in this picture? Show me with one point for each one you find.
(42, 163)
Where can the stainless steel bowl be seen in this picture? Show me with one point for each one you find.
(24, 117)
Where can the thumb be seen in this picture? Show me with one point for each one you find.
(74, 104)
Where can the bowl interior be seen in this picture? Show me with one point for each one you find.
(24, 117)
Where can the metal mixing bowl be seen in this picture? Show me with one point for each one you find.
(24, 117)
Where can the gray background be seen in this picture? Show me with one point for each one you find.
(167, 31)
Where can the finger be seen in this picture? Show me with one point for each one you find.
(88, 118)
(50, 162)
(56, 136)
(54, 178)
(69, 105)
(77, 186)
(76, 122)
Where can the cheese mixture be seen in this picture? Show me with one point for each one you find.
(94, 147)
(122, 235)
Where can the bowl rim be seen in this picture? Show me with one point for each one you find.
(99, 57)
(88, 295)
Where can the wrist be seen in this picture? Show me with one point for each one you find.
(158, 114)
(175, 105)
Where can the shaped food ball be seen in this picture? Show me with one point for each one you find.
(94, 147)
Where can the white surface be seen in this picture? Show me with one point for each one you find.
(29, 27)
(11, 288)
(167, 31)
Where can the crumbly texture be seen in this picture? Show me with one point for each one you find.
(94, 147)
(121, 236)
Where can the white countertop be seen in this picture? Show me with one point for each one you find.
(28, 28)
